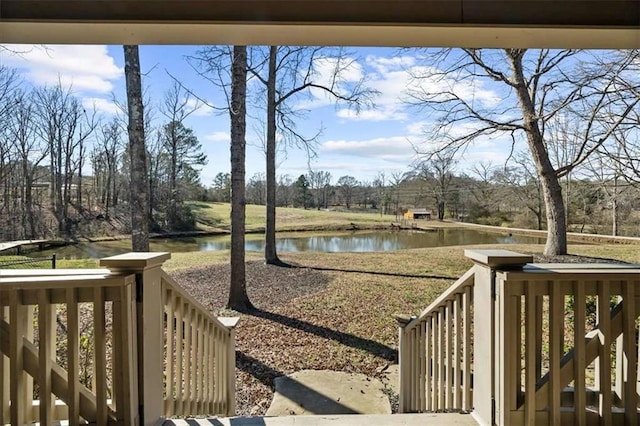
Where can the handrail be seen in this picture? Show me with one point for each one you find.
(199, 354)
(435, 352)
(171, 284)
(458, 287)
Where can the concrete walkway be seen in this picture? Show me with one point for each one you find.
(326, 398)
(428, 419)
(328, 392)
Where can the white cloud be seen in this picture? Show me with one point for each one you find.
(417, 128)
(101, 105)
(378, 114)
(396, 149)
(200, 109)
(218, 137)
(85, 68)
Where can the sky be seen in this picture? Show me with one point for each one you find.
(378, 139)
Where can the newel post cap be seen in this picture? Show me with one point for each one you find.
(498, 258)
(135, 261)
(403, 319)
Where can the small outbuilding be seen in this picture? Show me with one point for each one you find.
(417, 214)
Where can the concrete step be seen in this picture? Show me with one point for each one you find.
(427, 419)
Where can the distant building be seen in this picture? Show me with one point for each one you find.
(417, 214)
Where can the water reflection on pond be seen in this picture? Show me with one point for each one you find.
(359, 241)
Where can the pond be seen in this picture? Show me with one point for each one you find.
(357, 241)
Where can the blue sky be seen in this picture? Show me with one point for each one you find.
(360, 145)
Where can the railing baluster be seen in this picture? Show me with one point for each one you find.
(467, 398)
(4, 372)
(630, 354)
(206, 367)
(556, 335)
(194, 360)
(457, 348)
(531, 357)
(448, 309)
(201, 375)
(441, 353)
(180, 348)
(170, 364)
(435, 365)
(428, 362)
(413, 363)
(17, 377)
(212, 369)
(73, 356)
(604, 353)
(187, 351)
(99, 366)
(28, 389)
(423, 367)
(46, 352)
(539, 304)
(580, 319)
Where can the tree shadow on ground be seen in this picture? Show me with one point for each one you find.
(386, 274)
(359, 271)
(294, 391)
(375, 348)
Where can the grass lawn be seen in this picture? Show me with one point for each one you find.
(211, 216)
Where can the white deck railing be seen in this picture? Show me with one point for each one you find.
(99, 346)
(435, 353)
(552, 344)
(558, 366)
(199, 354)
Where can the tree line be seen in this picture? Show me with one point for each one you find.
(65, 168)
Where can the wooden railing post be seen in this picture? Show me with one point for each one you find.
(404, 358)
(230, 368)
(150, 318)
(486, 365)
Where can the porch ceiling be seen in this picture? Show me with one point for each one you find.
(468, 23)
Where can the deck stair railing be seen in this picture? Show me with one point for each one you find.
(435, 352)
(99, 346)
(552, 344)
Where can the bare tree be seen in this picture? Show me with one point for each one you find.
(226, 68)
(524, 184)
(31, 151)
(396, 180)
(181, 147)
(66, 126)
(319, 181)
(544, 84)
(346, 187)
(139, 178)
(293, 71)
(437, 172)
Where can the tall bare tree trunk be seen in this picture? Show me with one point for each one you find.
(238, 298)
(270, 253)
(551, 189)
(139, 185)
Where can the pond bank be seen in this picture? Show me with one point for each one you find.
(571, 236)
